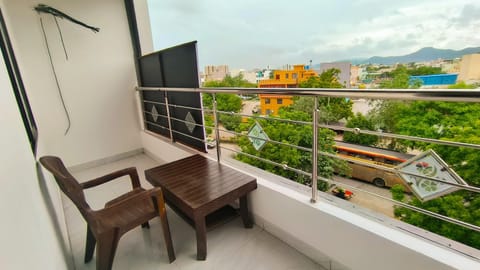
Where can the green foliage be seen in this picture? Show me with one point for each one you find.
(229, 81)
(398, 192)
(446, 121)
(230, 122)
(209, 123)
(454, 206)
(226, 102)
(462, 85)
(331, 109)
(400, 79)
(300, 135)
(362, 122)
(425, 70)
(385, 116)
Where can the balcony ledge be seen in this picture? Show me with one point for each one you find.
(331, 229)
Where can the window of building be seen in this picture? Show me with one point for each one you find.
(286, 75)
(268, 112)
(279, 101)
(294, 75)
(267, 101)
(277, 77)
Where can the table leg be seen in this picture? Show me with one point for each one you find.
(201, 231)
(246, 218)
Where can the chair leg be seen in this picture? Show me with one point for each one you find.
(162, 212)
(90, 246)
(146, 225)
(106, 246)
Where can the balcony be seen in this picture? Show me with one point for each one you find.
(98, 86)
(230, 245)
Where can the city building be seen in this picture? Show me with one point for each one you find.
(250, 76)
(344, 67)
(435, 79)
(270, 104)
(283, 78)
(355, 74)
(470, 68)
(215, 73)
(451, 66)
(287, 78)
(264, 74)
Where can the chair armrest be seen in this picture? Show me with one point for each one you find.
(154, 194)
(132, 171)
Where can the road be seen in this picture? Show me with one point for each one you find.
(366, 200)
(361, 106)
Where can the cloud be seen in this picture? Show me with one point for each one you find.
(248, 33)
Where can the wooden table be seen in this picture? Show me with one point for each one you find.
(197, 186)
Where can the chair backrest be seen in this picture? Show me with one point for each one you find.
(67, 183)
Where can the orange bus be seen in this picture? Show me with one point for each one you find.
(377, 156)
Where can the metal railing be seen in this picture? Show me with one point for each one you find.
(454, 95)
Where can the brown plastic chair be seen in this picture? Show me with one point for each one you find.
(107, 225)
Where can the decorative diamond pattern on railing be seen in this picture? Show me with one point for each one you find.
(190, 122)
(154, 113)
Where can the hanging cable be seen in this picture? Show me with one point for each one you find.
(41, 8)
(61, 37)
(56, 78)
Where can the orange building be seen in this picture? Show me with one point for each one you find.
(270, 104)
(290, 78)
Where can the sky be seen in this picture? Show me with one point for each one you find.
(255, 34)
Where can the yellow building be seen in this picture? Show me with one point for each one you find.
(289, 78)
(270, 104)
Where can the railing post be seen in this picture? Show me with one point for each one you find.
(168, 117)
(142, 108)
(217, 133)
(315, 151)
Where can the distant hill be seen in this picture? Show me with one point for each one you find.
(424, 54)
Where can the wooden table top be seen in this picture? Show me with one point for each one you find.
(198, 181)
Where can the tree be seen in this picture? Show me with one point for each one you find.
(300, 135)
(229, 81)
(362, 122)
(331, 109)
(425, 70)
(385, 114)
(453, 206)
(453, 122)
(400, 79)
(226, 102)
(462, 85)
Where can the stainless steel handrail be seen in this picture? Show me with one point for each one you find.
(454, 95)
(457, 95)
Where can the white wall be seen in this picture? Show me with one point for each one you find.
(97, 81)
(30, 231)
(345, 237)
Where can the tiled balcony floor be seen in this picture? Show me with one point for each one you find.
(230, 246)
